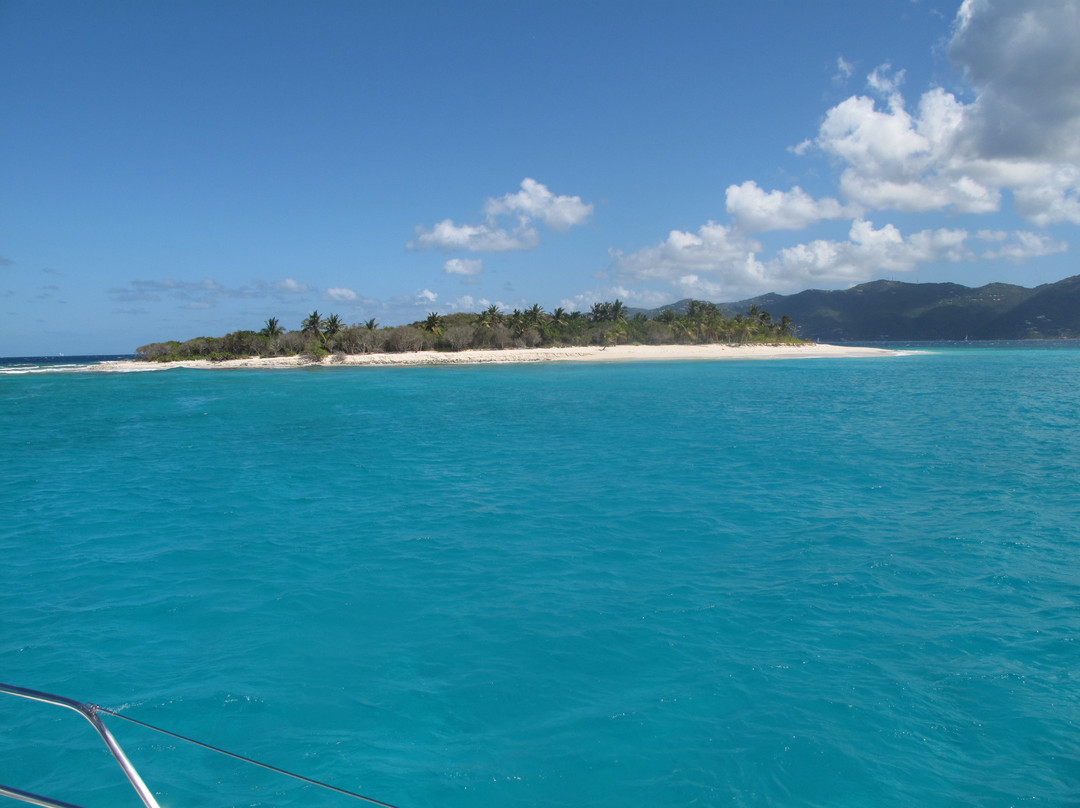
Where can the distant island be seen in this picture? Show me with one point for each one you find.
(891, 310)
(870, 312)
(607, 324)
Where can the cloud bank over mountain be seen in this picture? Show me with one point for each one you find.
(1015, 142)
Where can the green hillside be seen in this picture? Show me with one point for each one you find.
(891, 310)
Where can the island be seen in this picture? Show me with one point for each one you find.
(700, 331)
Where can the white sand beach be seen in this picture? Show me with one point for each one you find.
(592, 353)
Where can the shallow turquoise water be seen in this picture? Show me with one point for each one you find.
(809, 582)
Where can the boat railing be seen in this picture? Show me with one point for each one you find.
(90, 713)
(93, 712)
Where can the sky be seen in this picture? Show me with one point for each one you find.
(174, 170)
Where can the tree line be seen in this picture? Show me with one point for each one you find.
(607, 323)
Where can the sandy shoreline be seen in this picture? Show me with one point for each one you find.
(615, 353)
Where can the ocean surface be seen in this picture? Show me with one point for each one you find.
(816, 582)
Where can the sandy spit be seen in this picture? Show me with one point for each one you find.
(615, 353)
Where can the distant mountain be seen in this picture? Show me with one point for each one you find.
(891, 310)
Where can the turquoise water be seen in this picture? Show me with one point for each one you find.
(807, 583)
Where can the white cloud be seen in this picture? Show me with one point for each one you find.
(899, 162)
(700, 288)
(713, 246)
(463, 303)
(639, 298)
(719, 264)
(756, 211)
(844, 69)
(427, 296)
(883, 81)
(475, 238)
(341, 294)
(867, 254)
(463, 266)
(1020, 134)
(292, 287)
(1014, 140)
(534, 201)
(1055, 199)
(714, 250)
(1024, 245)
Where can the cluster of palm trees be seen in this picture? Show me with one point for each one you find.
(314, 325)
(519, 320)
(705, 322)
(607, 323)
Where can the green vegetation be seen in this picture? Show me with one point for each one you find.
(491, 329)
(891, 310)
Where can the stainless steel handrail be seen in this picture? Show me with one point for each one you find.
(89, 712)
(34, 799)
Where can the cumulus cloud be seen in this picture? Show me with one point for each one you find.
(714, 250)
(1056, 198)
(867, 252)
(756, 211)
(341, 294)
(463, 266)
(291, 287)
(1024, 245)
(1016, 138)
(475, 238)
(534, 202)
(1021, 58)
(714, 245)
(637, 297)
(719, 264)
(468, 303)
(883, 81)
(1021, 134)
(897, 161)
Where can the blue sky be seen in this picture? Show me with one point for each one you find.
(171, 170)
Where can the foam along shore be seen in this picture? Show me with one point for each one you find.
(590, 353)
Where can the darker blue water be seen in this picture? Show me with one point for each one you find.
(806, 582)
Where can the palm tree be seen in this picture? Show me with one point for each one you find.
(534, 314)
(490, 317)
(679, 325)
(272, 328)
(332, 325)
(711, 324)
(313, 324)
(371, 325)
(434, 323)
(618, 311)
(743, 329)
(558, 317)
(517, 322)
